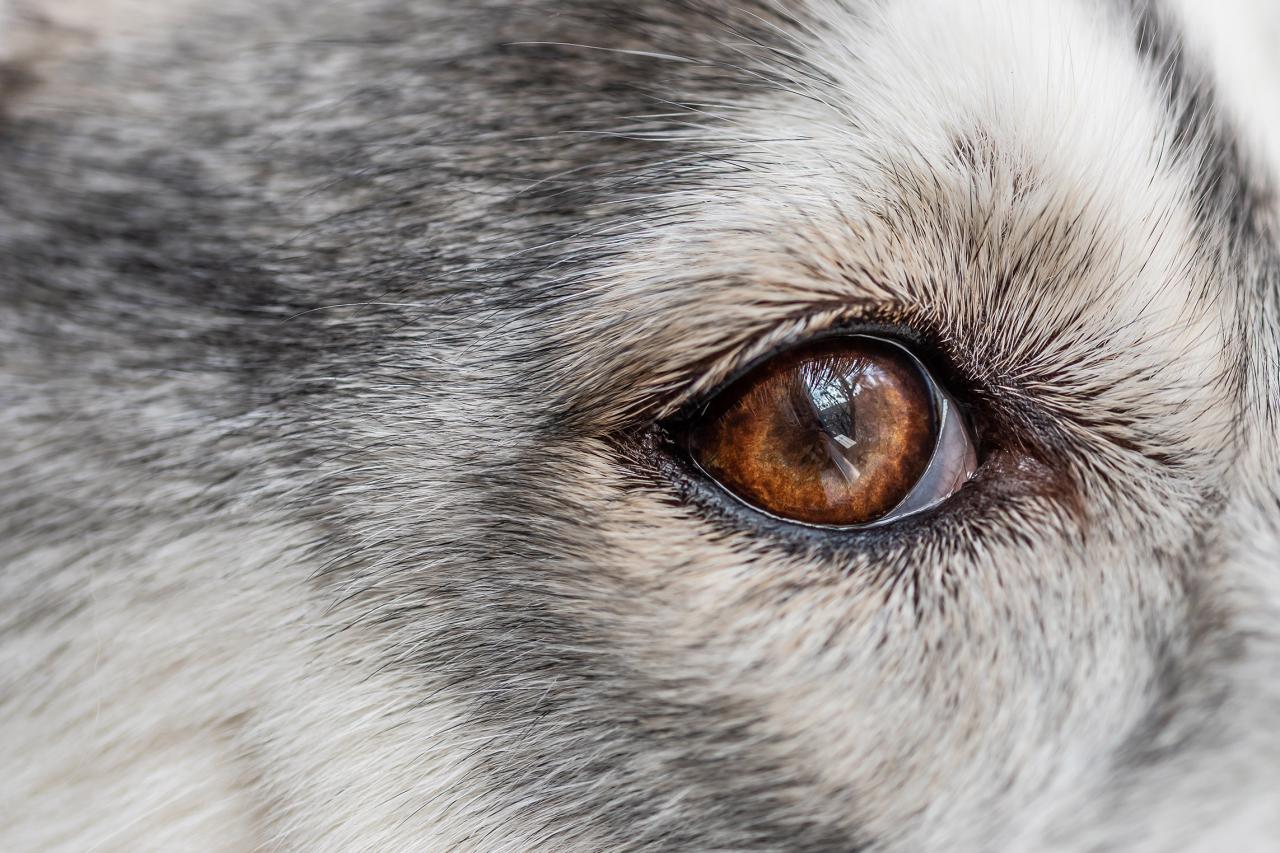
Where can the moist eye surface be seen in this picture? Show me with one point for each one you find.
(839, 432)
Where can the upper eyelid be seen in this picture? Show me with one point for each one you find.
(781, 335)
(739, 357)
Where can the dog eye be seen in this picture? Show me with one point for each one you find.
(847, 431)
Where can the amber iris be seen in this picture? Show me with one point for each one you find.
(833, 433)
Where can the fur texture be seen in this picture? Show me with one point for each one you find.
(336, 344)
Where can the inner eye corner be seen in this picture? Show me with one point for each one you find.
(843, 431)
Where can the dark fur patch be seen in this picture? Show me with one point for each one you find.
(1231, 192)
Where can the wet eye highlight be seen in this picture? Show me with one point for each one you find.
(847, 431)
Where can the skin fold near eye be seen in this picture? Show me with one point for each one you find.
(846, 431)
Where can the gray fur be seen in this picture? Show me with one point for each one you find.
(338, 339)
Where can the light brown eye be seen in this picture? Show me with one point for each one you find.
(847, 431)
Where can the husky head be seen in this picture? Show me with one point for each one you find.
(348, 351)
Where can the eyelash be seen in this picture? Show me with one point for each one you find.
(927, 346)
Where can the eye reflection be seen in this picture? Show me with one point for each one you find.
(846, 431)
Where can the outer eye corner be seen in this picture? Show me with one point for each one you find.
(847, 432)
